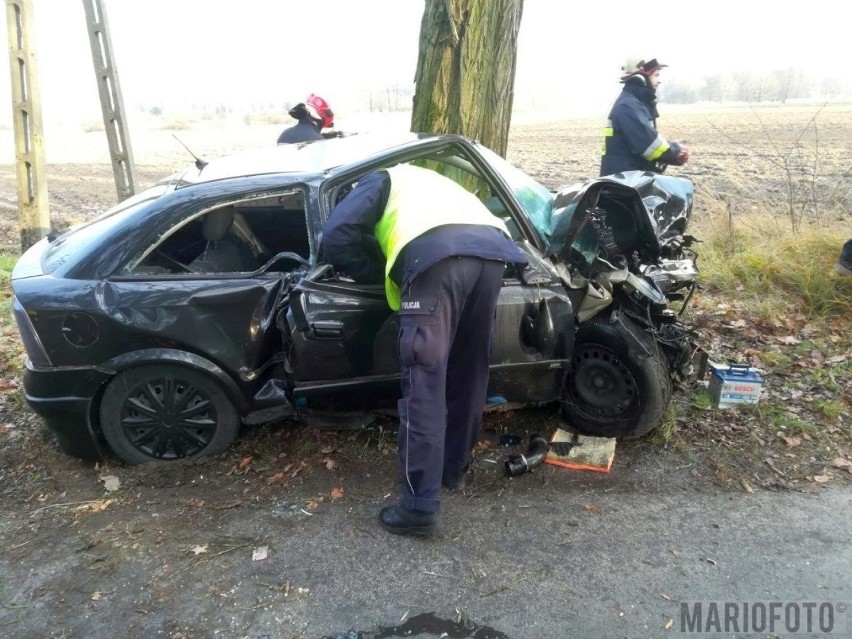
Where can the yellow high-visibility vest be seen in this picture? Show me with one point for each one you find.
(421, 200)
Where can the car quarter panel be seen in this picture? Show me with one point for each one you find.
(229, 321)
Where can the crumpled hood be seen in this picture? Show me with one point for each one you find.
(645, 210)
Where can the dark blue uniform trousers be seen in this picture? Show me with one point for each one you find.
(446, 326)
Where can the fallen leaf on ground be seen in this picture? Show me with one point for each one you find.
(666, 597)
(327, 450)
(337, 493)
(330, 464)
(96, 596)
(245, 462)
(7, 386)
(792, 441)
(669, 624)
(674, 551)
(260, 553)
(822, 479)
(789, 339)
(592, 508)
(95, 506)
(111, 482)
(199, 550)
(195, 503)
(231, 503)
(839, 462)
(277, 477)
(746, 486)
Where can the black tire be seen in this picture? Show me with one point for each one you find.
(164, 412)
(619, 385)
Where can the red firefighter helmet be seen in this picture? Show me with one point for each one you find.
(319, 110)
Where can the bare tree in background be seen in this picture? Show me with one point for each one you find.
(466, 69)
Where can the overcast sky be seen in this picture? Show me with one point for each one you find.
(274, 51)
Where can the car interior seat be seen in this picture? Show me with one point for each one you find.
(219, 255)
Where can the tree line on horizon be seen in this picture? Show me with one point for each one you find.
(749, 86)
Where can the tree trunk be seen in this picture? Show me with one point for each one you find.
(466, 69)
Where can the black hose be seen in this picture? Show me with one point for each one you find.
(519, 464)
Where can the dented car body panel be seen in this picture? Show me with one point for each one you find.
(219, 270)
(646, 211)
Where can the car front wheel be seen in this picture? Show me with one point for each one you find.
(619, 384)
(166, 412)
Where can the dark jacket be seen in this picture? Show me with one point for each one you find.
(304, 131)
(631, 140)
(349, 244)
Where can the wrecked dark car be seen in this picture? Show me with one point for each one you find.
(201, 304)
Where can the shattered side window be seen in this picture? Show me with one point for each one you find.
(234, 237)
(535, 199)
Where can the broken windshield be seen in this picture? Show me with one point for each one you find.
(535, 199)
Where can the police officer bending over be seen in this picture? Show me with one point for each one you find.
(441, 254)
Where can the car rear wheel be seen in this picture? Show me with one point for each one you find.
(166, 412)
(619, 384)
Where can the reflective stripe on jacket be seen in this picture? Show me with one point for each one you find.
(411, 212)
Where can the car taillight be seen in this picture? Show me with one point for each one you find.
(32, 344)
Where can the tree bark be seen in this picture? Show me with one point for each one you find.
(466, 69)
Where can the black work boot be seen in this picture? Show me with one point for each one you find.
(844, 262)
(402, 521)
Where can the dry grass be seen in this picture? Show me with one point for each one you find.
(773, 269)
(267, 118)
(94, 126)
(175, 124)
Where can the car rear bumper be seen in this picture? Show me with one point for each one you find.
(63, 397)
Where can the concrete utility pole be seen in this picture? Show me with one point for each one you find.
(33, 211)
(112, 104)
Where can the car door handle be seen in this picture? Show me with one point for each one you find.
(327, 329)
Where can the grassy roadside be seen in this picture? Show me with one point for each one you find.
(12, 352)
(771, 298)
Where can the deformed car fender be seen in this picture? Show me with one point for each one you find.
(192, 360)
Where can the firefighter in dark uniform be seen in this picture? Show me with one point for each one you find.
(313, 115)
(441, 255)
(631, 140)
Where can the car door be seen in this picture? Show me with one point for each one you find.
(344, 335)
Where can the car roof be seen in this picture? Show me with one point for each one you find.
(308, 157)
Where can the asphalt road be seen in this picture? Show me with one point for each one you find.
(553, 554)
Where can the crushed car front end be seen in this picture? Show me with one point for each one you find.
(623, 238)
